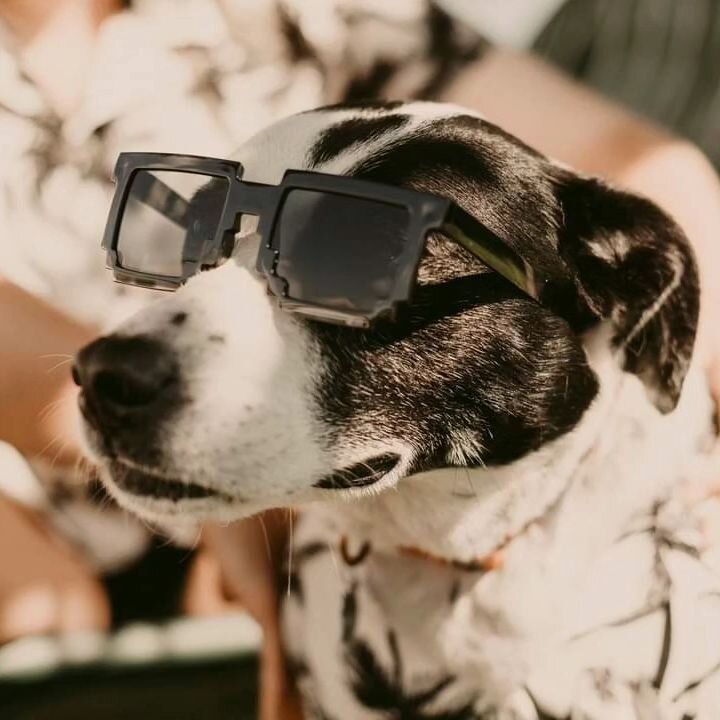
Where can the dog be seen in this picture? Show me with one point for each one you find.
(490, 526)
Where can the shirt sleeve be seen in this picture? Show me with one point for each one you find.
(405, 49)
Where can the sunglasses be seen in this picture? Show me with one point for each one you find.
(333, 248)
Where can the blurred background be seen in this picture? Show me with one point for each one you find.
(101, 615)
(658, 58)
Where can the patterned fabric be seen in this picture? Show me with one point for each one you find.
(188, 76)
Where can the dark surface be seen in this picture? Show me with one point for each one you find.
(210, 690)
(151, 588)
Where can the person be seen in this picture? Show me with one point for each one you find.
(63, 130)
(81, 80)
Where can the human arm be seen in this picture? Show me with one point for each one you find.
(36, 347)
(45, 584)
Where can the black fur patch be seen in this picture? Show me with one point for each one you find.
(205, 207)
(301, 556)
(472, 371)
(489, 173)
(339, 138)
(359, 106)
(382, 690)
(349, 613)
(471, 362)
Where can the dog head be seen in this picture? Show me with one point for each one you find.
(214, 403)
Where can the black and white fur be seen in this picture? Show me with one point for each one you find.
(478, 418)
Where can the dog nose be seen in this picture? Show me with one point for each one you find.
(125, 379)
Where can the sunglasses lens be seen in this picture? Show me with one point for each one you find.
(170, 220)
(338, 251)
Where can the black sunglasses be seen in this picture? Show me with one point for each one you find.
(333, 248)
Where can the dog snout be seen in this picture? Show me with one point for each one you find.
(126, 382)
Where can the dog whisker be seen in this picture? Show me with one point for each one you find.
(290, 552)
(470, 482)
(47, 356)
(265, 537)
(50, 444)
(50, 408)
(64, 444)
(333, 558)
(60, 364)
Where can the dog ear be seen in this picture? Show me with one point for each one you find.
(632, 266)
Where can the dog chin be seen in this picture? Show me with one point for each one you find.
(190, 508)
(172, 504)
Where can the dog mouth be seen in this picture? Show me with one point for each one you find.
(362, 474)
(148, 484)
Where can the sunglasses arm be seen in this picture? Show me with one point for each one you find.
(465, 230)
